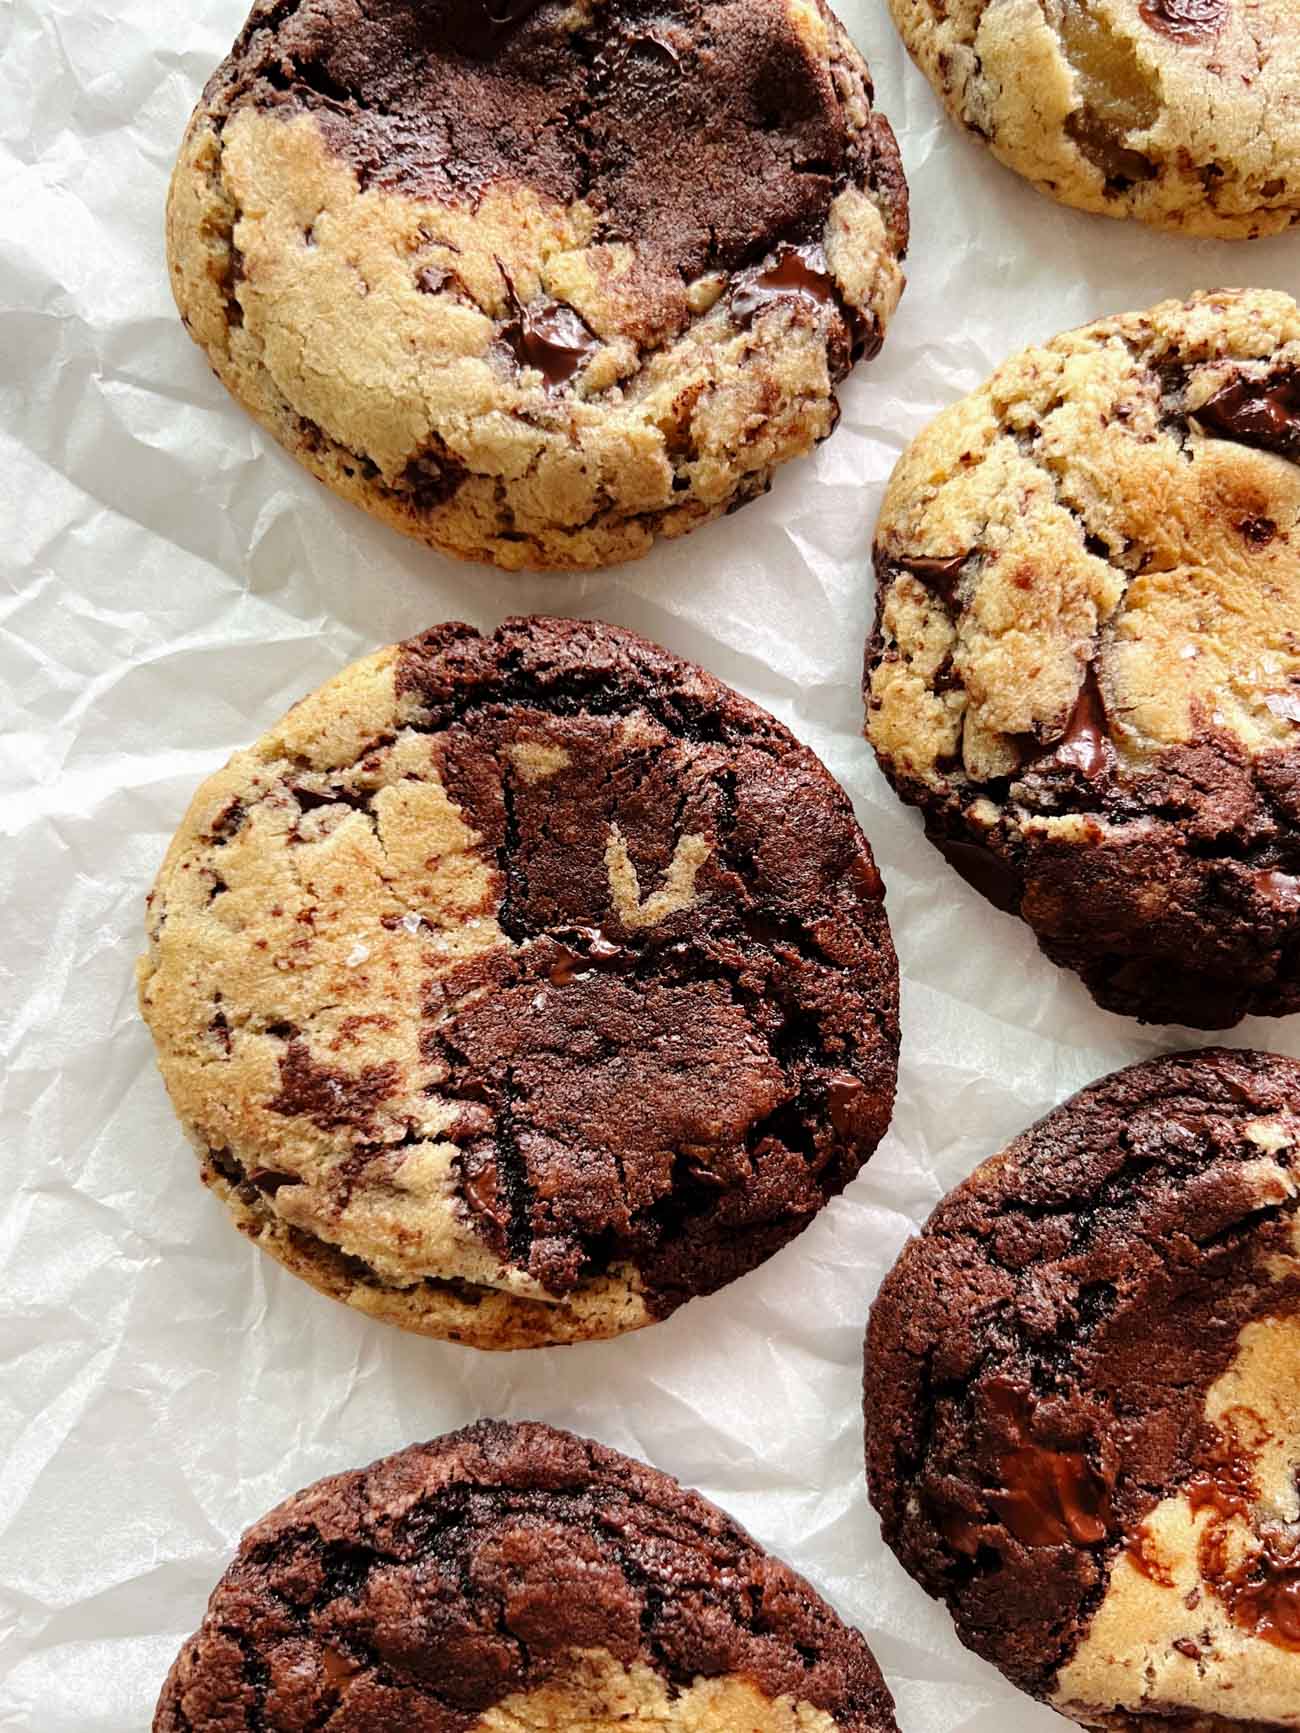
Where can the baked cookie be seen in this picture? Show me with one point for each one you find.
(1086, 665)
(515, 1579)
(1083, 1400)
(517, 989)
(534, 282)
(1178, 112)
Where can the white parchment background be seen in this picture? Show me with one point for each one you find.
(173, 582)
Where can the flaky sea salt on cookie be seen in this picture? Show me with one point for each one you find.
(1083, 1401)
(1181, 113)
(537, 283)
(516, 989)
(1086, 664)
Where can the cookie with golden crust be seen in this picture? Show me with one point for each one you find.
(1082, 1420)
(1177, 112)
(516, 989)
(511, 1578)
(537, 283)
(1086, 665)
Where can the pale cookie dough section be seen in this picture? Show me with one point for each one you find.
(598, 1692)
(1177, 112)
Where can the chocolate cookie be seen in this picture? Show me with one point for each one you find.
(1178, 112)
(517, 989)
(1086, 665)
(515, 1577)
(537, 282)
(1083, 1400)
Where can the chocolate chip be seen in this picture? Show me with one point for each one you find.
(1185, 20)
(1260, 412)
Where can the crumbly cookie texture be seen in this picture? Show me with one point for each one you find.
(512, 1578)
(1086, 664)
(536, 285)
(1083, 1400)
(1178, 112)
(516, 989)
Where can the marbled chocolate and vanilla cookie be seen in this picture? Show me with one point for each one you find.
(1083, 1400)
(515, 1579)
(1086, 663)
(536, 282)
(517, 988)
(1181, 113)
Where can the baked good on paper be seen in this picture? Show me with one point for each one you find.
(1083, 1401)
(537, 283)
(1178, 112)
(515, 1577)
(516, 989)
(1086, 664)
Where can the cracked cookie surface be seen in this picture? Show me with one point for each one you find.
(1083, 1430)
(511, 1578)
(516, 989)
(1178, 112)
(1086, 664)
(538, 286)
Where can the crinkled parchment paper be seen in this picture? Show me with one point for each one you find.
(173, 582)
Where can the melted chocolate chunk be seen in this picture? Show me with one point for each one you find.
(550, 337)
(1264, 413)
(1086, 743)
(1185, 20)
(940, 576)
(1048, 1497)
(420, 1592)
(803, 273)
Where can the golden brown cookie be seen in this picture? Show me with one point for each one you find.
(536, 283)
(1083, 1401)
(512, 1578)
(1086, 667)
(515, 989)
(1178, 112)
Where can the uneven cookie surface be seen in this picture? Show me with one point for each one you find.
(1086, 665)
(1083, 1420)
(538, 283)
(508, 1578)
(1177, 112)
(516, 989)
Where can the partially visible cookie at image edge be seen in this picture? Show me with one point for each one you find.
(1178, 112)
(516, 989)
(1082, 1409)
(512, 1576)
(538, 283)
(1086, 663)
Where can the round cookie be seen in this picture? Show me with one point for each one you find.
(1178, 112)
(536, 283)
(1086, 664)
(1083, 1400)
(516, 989)
(515, 1579)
